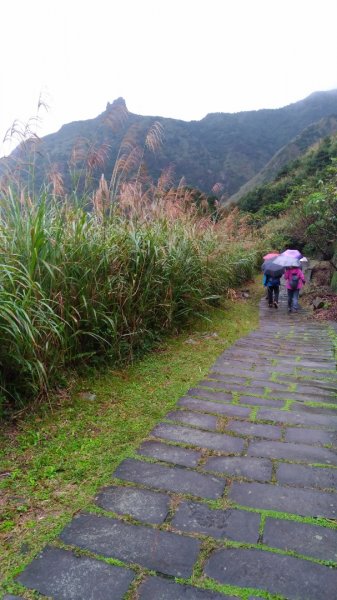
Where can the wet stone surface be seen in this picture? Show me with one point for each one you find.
(296, 396)
(235, 525)
(298, 418)
(271, 386)
(174, 479)
(258, 469)
(214, 407)
(213, 441)
(307, 503)
(143, 505)
(296, 579)
(60, 574)
(257, 401)
(306, 539)
(204, 393)
(219, 369)
(228, 379)
(318, 375)
(195, 419)
(172, 454)
(271, 432)
(310, 436)
(324, 410)
(304, 476)
(312, 392)
(155, 588)
(167, 552)
(289, 451)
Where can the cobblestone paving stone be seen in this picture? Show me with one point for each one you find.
(207, 406)
(143, 505)
(174, 479)
(191, 418)
(209, 394)
(306, 476)
(236, 525)
(314, 410)
(295, 452)
(60, 574)
(303, 502)
(167, 553)
(311, 436)
(271, 432)
(258, 401)
(293, 417)
(246, 459)
(213, 441)
(306, 539)
(295, 578)
(172, 454)
(258, 469)
(155, 588)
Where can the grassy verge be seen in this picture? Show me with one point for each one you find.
(55, 461)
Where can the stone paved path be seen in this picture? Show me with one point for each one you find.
(236, 486)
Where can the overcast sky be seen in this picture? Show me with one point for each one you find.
(171, 58)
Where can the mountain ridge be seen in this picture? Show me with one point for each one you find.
(227, 149)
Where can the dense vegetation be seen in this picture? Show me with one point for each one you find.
(79, 285)
(300, 206)
(223, 149)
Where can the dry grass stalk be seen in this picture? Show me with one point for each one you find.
(236, 226)
(166, 179)
(56, 180)
(79, 152)
(101, 197)
(97, 156)
(155, 136)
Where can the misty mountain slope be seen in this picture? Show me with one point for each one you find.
(296, 148)
(228, 149)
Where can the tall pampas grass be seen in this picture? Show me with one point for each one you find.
(79, 285)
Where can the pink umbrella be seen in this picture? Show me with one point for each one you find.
(270, 255)
(292, 253)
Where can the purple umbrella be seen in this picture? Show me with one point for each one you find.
(273, 270)
(286, 261)
(292, 253)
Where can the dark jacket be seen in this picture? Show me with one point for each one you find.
(272, 281)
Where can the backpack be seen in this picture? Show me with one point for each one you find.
(272, 281)
(293, 282)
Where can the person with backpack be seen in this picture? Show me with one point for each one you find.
(295, 280)
(273, 287)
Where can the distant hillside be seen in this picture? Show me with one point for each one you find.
(296, 148)
(226, 149)
(297, 179)
(298, 209)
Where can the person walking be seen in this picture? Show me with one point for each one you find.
(273, 288)
(295, 280)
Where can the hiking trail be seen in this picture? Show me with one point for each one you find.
(237, 485)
